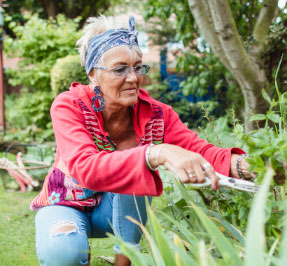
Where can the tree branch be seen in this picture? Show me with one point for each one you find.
(264, 20)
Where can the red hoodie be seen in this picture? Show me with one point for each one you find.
(87, 163)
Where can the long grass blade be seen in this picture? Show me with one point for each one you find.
(173, 205)
(179, 259)
(126, 248)
(278, 92)
(271, 251)
(154, 248)
(136, 258)
(160, 239)
(255, 237)
(204, 257)
(283, 246)
(229, 227)
(189, 236)
(228, 252)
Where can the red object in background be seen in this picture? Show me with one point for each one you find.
(2, 107)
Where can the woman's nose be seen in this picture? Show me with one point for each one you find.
(132, 76)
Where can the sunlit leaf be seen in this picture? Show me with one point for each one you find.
(258, 117)
(255, 238)
(160, 239)
(228, 252)
(266, 97)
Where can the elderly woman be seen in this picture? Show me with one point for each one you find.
(111, 138)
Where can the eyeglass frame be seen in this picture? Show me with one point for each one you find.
(113, 69)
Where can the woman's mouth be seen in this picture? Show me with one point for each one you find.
(132, 90)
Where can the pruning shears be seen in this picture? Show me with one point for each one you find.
(230, 182)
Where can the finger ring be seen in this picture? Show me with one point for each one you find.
(191, 174)
(206, 165)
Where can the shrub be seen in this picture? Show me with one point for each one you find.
(65, 71)
(30, 108)
(39, 43)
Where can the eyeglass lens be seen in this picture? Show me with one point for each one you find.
(125, 70)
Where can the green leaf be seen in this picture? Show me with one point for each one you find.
(190, 237)
(229, 227)
(273, 117)
(258, 117)
(182, 257)
(154, 248)
(255, 237)
(160, 238)
(266, 97)
(283, 244)
(228, 252)
(129, 251)
(204, 257)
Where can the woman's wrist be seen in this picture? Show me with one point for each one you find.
(242, 166)
(148, 158)
(153, 156)
(239, 166)
(233, 163)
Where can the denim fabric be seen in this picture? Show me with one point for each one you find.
(72, 247)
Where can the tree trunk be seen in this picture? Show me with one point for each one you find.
(50, 8)
(253, 99)
(217, 26)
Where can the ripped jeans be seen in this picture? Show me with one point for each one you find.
(62, 232)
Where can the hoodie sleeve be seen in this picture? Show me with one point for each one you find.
(119, 171)
(177, 133)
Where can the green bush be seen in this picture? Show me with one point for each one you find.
(28, 116)
(65, 71)
(39, 43)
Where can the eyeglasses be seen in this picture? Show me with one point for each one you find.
(124, 70)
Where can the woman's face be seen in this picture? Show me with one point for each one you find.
(119, 91)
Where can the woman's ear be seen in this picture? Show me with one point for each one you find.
(92, 77)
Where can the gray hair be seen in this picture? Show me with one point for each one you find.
(96, 26)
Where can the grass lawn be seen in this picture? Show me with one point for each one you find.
(17, 233)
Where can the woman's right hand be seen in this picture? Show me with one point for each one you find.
(190, 167)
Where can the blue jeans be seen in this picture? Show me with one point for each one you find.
(62, 232)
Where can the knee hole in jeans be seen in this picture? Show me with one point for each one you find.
(64, 227)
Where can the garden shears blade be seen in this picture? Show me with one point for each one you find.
(231, 182)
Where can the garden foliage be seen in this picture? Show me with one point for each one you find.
(13, 10)
(65, 71)
(28, 116)
(38, 44)
(227, 227)
(199, 65)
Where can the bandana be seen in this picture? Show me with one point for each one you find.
(107, 40)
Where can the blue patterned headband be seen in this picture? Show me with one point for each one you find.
(107, 40)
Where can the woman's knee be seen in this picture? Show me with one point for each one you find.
(59, 239)
(66, 245)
